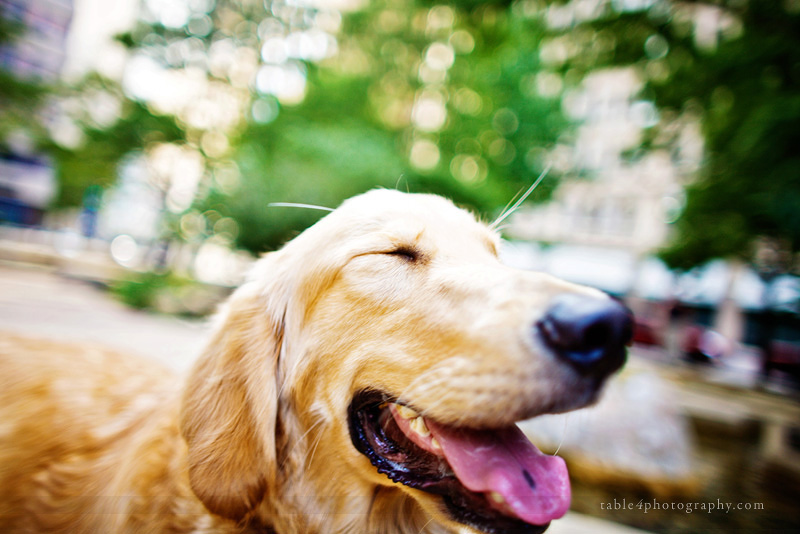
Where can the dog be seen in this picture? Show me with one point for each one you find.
(365, 378)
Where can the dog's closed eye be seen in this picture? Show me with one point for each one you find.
(406, 253)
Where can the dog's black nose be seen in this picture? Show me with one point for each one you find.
(589, 333)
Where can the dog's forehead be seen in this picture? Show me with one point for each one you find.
(413, 215)
(388, 205)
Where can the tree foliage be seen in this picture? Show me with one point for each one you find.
(448, 98)
(749, 89)
(741, 76)
(19, 98)
(356, 128)
(96, 160)
(362, 121)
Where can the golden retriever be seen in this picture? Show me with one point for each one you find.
(365, 379)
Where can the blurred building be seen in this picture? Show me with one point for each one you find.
(626, 207)
(612, 211)
(27, 185)
(39, 53)
(27, 180)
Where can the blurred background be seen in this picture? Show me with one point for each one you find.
(141, 142)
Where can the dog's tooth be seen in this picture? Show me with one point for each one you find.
(418, 425)
(435, 444)
(496, 497)
(405, 412)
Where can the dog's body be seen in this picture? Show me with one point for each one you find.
(299, 417)
(90, 443)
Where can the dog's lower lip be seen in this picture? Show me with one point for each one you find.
(372, 429)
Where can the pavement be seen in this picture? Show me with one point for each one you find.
(36, 300)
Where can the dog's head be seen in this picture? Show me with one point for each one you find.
(385, 355)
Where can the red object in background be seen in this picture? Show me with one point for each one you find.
(690, 344)
(646, 332)
(702, 344)
(784, 353)
(783, 356)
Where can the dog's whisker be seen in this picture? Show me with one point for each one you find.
(425, 526)
(300, 440)
(506, 213)
(563, 434)
(441, 401)
(310, 458)
(400, 179)
(297, 205)
(433, 378)
(423, 382)
(506, 207)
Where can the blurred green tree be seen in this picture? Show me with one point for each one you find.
(94, 159)
(735, 65)
(19, 98)
(416, 95)
(90, 152)
(422, 97)
(307, 104)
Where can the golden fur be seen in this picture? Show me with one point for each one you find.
(256, 438)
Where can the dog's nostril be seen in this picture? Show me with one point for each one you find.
(589, 333)
(596, 335)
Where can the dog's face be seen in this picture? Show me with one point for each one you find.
(405, 352)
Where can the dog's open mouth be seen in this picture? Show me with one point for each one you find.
(493, 480)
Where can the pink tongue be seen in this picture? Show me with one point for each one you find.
(534, 486)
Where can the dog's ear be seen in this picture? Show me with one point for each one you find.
(229, 410)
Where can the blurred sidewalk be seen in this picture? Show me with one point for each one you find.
(36, 301)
